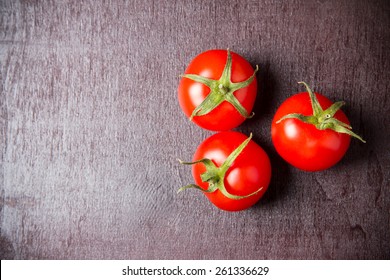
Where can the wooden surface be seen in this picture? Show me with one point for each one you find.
(91, 129)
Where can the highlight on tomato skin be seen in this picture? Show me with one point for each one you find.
(238, 174)
(218, 90)
(310, 132)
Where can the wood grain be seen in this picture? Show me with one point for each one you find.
(91, 129)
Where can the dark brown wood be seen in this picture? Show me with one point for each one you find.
(91, 129)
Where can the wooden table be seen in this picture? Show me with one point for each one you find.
(91, 129)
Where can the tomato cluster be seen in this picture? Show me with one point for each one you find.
(217, 92)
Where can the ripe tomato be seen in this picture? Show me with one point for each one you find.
(232, 170)
(310, 132)
(218, 90)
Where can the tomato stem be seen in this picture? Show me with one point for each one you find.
(221, 90)
(215, 176)
(323, 119)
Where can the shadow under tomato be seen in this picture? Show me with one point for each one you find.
(369, 129)
(260, 125)
(277, 188)
(265, 103)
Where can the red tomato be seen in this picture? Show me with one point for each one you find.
(305, 145)
(229, 86)
(249, 173)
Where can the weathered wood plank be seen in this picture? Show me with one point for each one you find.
(91, 129)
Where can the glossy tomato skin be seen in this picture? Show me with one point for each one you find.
(303, 145)
(210, 64)
(250, 171)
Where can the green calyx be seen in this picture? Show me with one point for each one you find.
(215, 176)
(221, 90)
(323, 119)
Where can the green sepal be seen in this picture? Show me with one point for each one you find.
(194, 186)
(323, 119)
(215, 176)
(303, 118)
(332, 110)
(221, 90)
